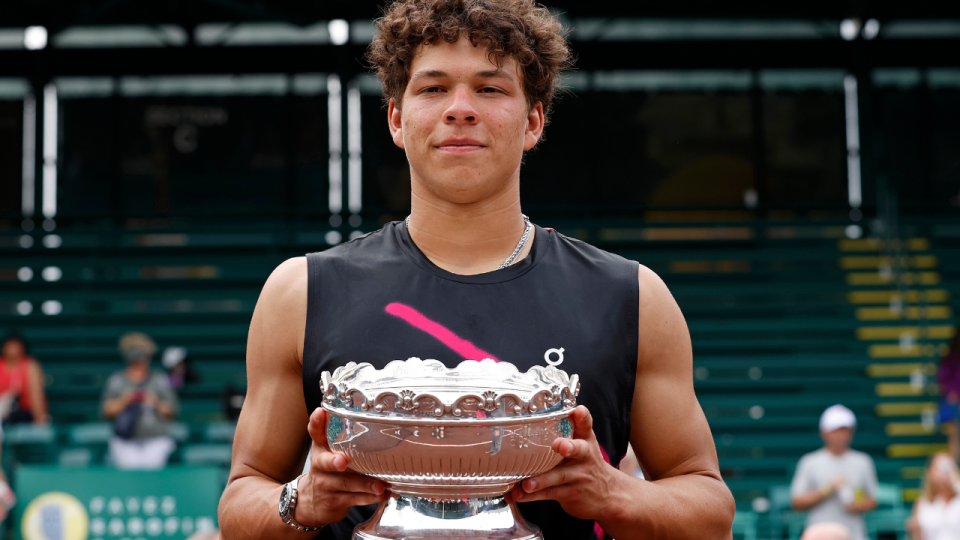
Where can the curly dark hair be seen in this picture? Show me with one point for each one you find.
(518, 28)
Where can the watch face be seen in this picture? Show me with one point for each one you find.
(285, 500)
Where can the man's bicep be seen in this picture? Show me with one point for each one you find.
(271, 431)
(111, 390)
(669, 434)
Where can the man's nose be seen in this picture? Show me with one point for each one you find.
(462, 107)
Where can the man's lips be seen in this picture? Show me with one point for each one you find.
(460, 146)
(460, 149)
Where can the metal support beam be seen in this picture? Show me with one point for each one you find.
(347, 60)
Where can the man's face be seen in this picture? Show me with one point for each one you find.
(464, 122)
(837, 440)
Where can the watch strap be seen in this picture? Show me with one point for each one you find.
(287, 516)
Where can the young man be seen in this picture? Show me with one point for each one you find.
(836, 484)
(469, 84)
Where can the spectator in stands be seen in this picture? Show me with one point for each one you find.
(826, 531)
(22, 398)
(936, 512)
(948, 375)
(140, 402)
(836, 483)
(176, 360)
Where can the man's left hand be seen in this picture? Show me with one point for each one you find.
(583, 483)
(860, 507)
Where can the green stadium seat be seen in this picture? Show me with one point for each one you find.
(90, 434)
(27, 443)
(29, 434)
(179, 431)
(207, 454)
(219, 432)
(745, 525)
(75, 457)
(783, 519)
(890, 517)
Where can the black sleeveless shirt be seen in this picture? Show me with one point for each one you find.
(378, 298)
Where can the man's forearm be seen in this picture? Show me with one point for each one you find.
(248, 510)
(692, 506)
(810, 499)
(860, 507)
(165, 410)
(113, 407)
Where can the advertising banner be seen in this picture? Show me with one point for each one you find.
(101, 503)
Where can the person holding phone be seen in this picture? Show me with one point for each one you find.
(140, 403)
(836, 484)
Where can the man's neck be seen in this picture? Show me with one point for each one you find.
(471, 238)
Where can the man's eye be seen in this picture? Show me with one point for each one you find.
(490, 90)
(431, 90)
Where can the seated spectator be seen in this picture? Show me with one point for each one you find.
(948, 376)
(22, 398)
(176, 360)
(140, 402)
(836, 484)
(826, 531)
(936, 512)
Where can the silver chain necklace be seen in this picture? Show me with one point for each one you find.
(516, 252)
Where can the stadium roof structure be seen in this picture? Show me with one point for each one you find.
(155, 37)
(58, 14)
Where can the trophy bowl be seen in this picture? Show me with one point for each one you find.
(449, 443)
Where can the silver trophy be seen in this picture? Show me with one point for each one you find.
(449, 443)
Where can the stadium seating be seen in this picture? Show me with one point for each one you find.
(787, 317)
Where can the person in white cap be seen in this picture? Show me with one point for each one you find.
(836, 484)
(176, 362)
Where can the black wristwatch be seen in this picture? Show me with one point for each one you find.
(288, 505)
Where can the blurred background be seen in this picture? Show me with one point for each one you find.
(792, 171)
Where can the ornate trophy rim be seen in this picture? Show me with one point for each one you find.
(426, 392)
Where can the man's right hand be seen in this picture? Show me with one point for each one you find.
(327, 492)
(837, 482)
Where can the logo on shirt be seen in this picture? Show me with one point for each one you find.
(548, 356)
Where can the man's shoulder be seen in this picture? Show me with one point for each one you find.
(288, 281)
(369, 244)
(814, 456)
(159, 379)
(595, 258)
(117, 380)
(859, 457)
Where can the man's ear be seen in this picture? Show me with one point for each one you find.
(395, 122)
(534, 127)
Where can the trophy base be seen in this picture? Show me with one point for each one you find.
(404, 517)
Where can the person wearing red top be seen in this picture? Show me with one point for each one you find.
(22, 398)
(948, 376)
